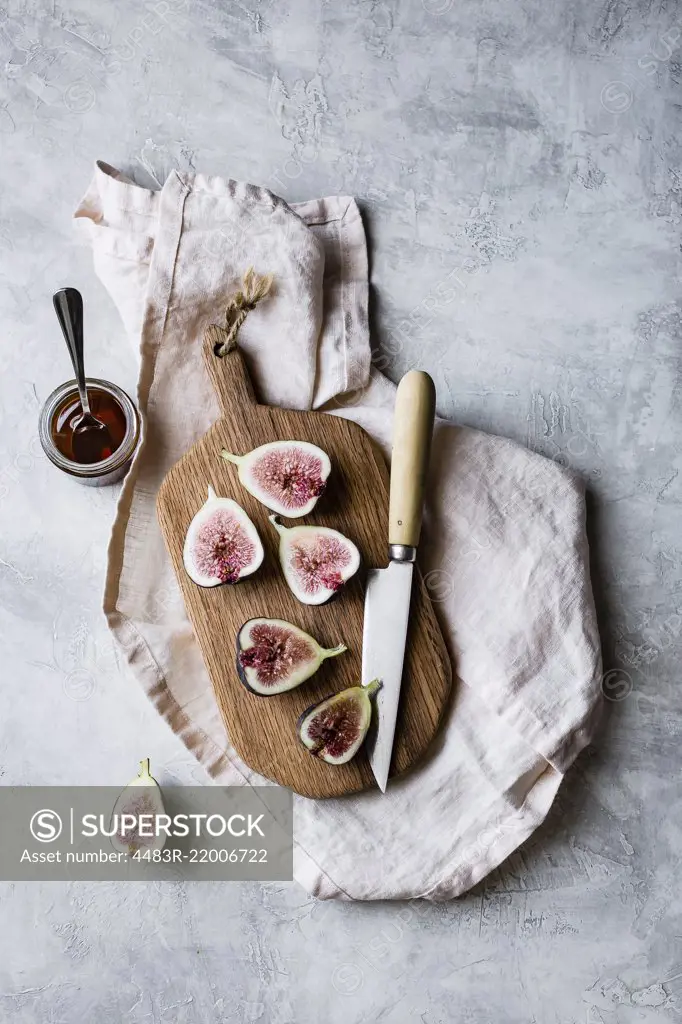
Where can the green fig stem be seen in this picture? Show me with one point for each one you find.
(371, 688)
(144, 767)
(229, 457)
(211, 494)
(332, 652)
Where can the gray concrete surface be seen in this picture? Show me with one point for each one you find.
(530, 149)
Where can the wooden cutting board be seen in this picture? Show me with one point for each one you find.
(263, 729)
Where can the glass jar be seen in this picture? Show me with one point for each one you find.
(94, 474)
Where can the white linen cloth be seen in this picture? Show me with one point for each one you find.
(504, 553)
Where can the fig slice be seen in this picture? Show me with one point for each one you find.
(335, 729)
(222, 544)
(316, 560)
(286, 476)
(274, 656)
(141, 796)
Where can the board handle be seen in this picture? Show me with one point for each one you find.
(415, 408)
(229, 375)
(225, 362)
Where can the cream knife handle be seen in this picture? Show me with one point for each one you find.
(415, 407)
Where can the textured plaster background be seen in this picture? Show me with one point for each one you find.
(519, 169)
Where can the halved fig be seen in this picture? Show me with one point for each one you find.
(273, 656)
(222, 544)
(286, 476)
(316, 561)
(130, 831)
(335, 729)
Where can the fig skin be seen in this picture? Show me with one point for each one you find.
(317, 656)
(360, 694)
(289, 488)
(293, 542)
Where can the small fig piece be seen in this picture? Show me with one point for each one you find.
(141, 796)
(316, 561)
(335, 729)
(273, 656)
(286, 476)
(222, 544)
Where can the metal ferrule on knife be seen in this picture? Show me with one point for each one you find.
(402, 553)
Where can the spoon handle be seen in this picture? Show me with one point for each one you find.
(68, 305)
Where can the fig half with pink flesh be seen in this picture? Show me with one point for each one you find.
(286, 476)
(222, 544)
(316, 561)
(335, 729)
(273, 656)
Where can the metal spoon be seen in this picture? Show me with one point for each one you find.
(90, 435)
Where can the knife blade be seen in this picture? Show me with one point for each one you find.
(388, 593)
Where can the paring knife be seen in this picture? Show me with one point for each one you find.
(387, 597)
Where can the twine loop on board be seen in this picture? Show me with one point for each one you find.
(254, 288)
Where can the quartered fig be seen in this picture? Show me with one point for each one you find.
(273, 656)
(286, 476)
(222, 544)
(334, 729)
(316, 561)
(141, 796)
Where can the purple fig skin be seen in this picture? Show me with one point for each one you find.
(369, 689)
(242, 674)
(242, 677)
(304, 714)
